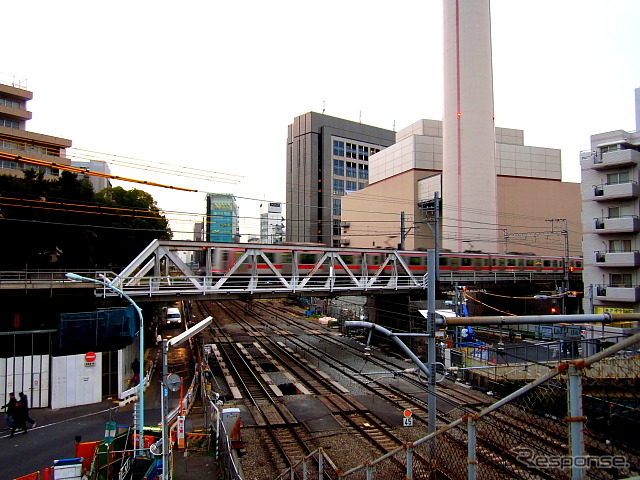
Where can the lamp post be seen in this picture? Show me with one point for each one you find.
(140, 446)
(177, 340)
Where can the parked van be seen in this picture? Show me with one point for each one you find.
(173, 316)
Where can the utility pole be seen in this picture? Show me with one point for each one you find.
(555, 222)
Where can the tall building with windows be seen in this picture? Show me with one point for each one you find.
(271, 227)
(221, 223)
(611, 220)
(18, 146)
(327, 157)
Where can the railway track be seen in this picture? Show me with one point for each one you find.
(297, 349)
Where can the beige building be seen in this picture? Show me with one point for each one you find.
(19, 148)
(405, 176)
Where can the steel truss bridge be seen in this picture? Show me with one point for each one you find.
(242, 270)
(160, 270)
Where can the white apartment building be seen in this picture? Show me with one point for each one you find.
(611, 220)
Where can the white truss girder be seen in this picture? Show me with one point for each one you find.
(159, 270)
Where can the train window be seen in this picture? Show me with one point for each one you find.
(485, 262)
(521, 262)
(546, 263)
(529, 262)
(268, 255)
(286, 258)
(374, 260)
(306, 258)
(465, 262)
(578, 263)
(347, 259)
(477, 262)
(511, 262)
(454, 261)
(444, 261)
(554, 263)
(415, 260)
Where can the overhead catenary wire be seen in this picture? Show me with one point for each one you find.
(479, 225)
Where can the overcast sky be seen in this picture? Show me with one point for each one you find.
(213, 85)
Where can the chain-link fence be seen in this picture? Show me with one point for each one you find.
(577, 420)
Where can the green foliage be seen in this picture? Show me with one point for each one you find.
(63, 224)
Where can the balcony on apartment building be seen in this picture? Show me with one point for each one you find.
(615, 159)
(617, 259)
(617, 292)
(621, 224)
(616, 191)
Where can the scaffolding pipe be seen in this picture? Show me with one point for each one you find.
(394, 337)
(576, 419)
(472, 462)
(540, 319)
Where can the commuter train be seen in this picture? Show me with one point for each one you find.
(307, 259)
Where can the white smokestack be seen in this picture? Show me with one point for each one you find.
(469, 192)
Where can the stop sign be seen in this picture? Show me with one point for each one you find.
(90, 356)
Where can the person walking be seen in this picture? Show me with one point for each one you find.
(24, 401)
(135, 368)
(19, 419)
(10, 408)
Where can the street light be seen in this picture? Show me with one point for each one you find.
(140, 448)
(175, 341)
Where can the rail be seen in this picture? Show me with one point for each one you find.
(560, 401)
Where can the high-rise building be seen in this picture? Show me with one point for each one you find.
(271, 226)
(611, 220)
(221, 223)
(327, 157)
(17, 145)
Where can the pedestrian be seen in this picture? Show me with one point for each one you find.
(19, 419)
(135, 367)
(10, 408)
(25, 404)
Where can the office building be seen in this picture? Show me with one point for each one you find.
(221, 223)
(610, 219)
(17, 145)
(271, 223)
(327, 157)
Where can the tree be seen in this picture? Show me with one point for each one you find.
(62, 223)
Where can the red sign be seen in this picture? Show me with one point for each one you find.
(90, 357)
(407, 413)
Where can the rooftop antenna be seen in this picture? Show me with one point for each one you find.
(394, 125)
(323, 107)
(360, 117)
